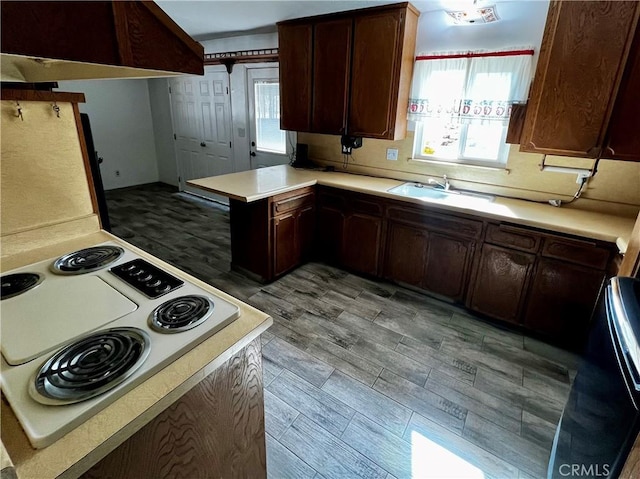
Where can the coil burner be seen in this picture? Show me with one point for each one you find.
(181, 314)
(15, 284)
(87, 260)
(91, 366)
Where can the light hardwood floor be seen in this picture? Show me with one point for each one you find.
(365, 378)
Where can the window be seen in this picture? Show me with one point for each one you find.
(461, 104)
(269, 137)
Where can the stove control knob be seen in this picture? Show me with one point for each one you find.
(145, 278)
(138, 272)
(129, 267)
(153, 284)
(163, 289)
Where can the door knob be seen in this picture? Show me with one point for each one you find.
(253, 153)
(203, 144)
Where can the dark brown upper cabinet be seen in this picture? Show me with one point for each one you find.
(348, 73)
(583, 56)
(295, 48)
(623, 140)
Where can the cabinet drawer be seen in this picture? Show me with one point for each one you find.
(331, 200)
(367, 207)
(453, 225)
(576, 251)
(282, 205)
(512, 237)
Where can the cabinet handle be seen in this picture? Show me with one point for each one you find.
(609, 151)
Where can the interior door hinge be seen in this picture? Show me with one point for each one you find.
(229, 144)
(179, 179)
(175, 137)
(169, 90)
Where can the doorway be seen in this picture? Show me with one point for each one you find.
(201, 110)
(269, 145)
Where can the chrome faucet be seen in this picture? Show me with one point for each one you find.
(445, 186)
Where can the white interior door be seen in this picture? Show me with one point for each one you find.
(202, 123)
(269, 144)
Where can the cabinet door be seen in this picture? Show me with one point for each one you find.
(362, 243)
(306, 229)
(295, 61)
(286, 252)
(330, 234)
(500, 285)
(447, 267)
(406, 253)
(581, 60)
(332, 57)
(562, 299)
(623, 142)
(377, 47)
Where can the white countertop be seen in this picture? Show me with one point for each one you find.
(254, 185)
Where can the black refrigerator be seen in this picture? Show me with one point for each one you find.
(94, 163)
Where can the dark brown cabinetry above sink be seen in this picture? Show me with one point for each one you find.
(348, 73)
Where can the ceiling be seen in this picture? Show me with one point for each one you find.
(210, 19)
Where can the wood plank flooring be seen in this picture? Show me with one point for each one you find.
(367, 379)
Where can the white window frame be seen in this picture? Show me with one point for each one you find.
(499, 162)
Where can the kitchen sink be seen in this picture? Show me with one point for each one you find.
(431, 193)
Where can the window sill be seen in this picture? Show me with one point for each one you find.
(419, 161)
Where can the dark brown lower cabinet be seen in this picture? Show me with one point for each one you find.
(214, 430)
(447, 268)
(432, 261)
(292, 239)
(406, 253)
(500, 286)
(350, 230)
(330, 234)
(562, 299)
(361, 244)
(272, 236)
(285, 251)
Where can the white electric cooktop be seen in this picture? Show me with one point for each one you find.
(40, 322)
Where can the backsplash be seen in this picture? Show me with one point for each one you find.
(615, 189)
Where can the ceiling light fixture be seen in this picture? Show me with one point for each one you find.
(474, 15)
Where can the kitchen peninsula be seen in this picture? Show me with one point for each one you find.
(511, 260)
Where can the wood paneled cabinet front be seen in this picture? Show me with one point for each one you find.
(272, 236)
(500, 286)
(583, 56)
(430, 250)
(348, 73)
(350, 230)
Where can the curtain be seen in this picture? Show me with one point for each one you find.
(470, 90)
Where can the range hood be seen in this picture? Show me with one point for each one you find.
(74, 40)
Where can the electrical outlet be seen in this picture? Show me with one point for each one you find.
(583, 176)
(117, 172)
(392, 154)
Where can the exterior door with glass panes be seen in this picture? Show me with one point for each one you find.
(269, 144)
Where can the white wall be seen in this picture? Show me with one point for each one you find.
(243, 42)
(122, 128)
(163, 130)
